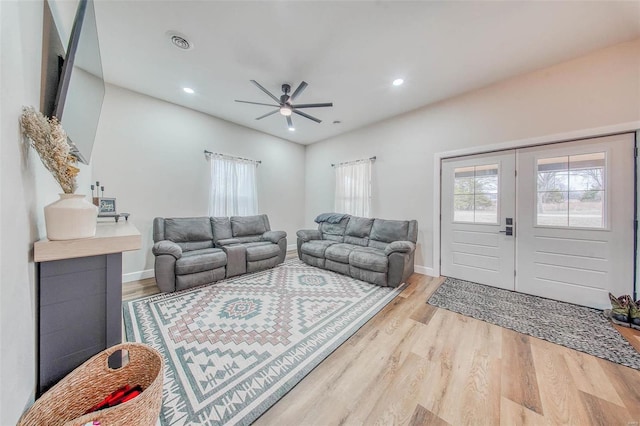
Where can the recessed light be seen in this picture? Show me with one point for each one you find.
(292, 129)
(398, 82)
(189, 90)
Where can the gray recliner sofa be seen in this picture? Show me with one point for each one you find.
(378, 251)
(194, 251)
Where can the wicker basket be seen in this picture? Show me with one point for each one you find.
(87, 385)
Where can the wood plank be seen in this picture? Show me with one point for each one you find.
(561, 402)
(423, 313)
(519, 383)
(632, 335)
(589, 377)
(421, 416)
(604, 413)
(626, 382)
(512, 413)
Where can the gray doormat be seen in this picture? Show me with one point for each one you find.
(576, 327)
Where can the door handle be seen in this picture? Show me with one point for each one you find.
(508, 230)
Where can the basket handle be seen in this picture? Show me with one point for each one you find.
(115, 348)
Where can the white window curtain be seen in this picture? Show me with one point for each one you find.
(233, 186)
(353, 188)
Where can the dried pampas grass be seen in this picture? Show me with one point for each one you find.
(49, 139)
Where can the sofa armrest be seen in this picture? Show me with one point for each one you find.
(309, 234)
(400, 247)
(274, 236)
(167, 247)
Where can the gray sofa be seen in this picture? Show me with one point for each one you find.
(193, 251)
(374, 250)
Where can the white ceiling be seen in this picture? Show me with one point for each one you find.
(348, 52)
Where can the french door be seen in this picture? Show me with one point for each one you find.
(478, 197)
(569, 210)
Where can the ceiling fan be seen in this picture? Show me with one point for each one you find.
(284, 105)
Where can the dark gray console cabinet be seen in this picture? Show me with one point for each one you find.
(80, 301)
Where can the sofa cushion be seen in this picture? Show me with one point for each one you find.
(188, 229)
(200, 260)
(339, 252)
(359, 227)
(249, 225)
(370, 259)
(333, 231)
(255, 253)
(316, 247)
(250, 239)
(362, 242)
(387, 231)
(227, 242)
(221, 228)
(195, 245)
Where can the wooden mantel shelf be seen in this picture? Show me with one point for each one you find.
(111, 237)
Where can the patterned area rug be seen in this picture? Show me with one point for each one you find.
(576, 327)
(234, 348)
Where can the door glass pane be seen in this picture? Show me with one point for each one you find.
(552, 209)
(486, 179)
(571, 191)
(586, 209)
(475, 194)
(586, 172)
(486, 208)
(463, 207)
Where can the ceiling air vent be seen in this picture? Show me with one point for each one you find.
(180, 41)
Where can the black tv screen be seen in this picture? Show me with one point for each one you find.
(81, 86)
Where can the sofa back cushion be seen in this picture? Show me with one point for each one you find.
(221, 229)
(333, 231)
(243, 226)
(358, 230)
(385, 231)
(190, 233)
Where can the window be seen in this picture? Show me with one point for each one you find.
(475, 194)
(233, 186)
(353, 188)
(571, 191)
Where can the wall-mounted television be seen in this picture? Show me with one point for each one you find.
(80, 88)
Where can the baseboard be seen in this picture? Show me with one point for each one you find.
(292, 247)
(138, 275)
(424, 270)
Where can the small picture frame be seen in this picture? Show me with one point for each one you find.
(106, 206)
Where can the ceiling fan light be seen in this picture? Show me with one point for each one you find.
(286, 111)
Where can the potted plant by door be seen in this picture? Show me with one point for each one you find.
(72, 216)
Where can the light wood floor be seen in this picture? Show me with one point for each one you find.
(417, 364)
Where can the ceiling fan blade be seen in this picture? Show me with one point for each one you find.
(289, 122)
(272, 96)
(257, 103)
(299, 90)
(307, 116)
(326, 104)
(267, 114)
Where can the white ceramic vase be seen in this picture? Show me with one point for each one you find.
(70, 217)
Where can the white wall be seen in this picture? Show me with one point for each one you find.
(25, 188)
(599, 89)
(149, 155)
